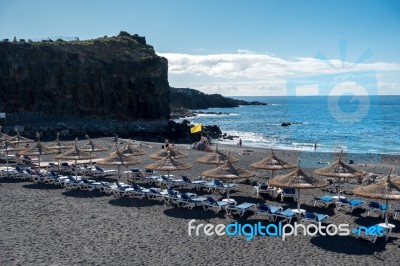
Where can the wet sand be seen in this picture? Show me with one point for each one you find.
(43, 224)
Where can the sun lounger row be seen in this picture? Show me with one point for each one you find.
(350, 204)
(274, 212)
(80, 169)
(183, 182)
(275, 192)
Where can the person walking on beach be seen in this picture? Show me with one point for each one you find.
(315, 146)
(240, 142)
(166, 143)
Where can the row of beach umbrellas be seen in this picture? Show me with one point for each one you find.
(167, 160)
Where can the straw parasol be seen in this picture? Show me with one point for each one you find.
(19, 139)
(272, 163)
(7, 146)
(386, 189)
(75, 154)
(340, 169)
(56, 144)
(118, 158)
(38, 150)
(168, 163)
(216, 157)
(128, 150)
(3, 136)
(161, 154)
(91, 147)
(228, 172)
(297, 179)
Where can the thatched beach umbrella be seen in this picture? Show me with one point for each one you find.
(91, 147)
(75, 154)
(161, 154)
(386, 189)
(298, 180)
(118, 158)
(339, 170)
(168, 163)
(38, 150)
(19, 139)
(228, 172)
(3, 136)
(216, 157)
(128, 150)
(7, 147)
(273, 163)
(56, 144)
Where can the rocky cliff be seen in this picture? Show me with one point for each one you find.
(117, 77)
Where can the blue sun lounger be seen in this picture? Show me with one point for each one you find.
(268, 211)
(287, 215)
(315, 217)
(325, 200)
(288, 193)
(351, 204)
(157, 194)
(376, 207)
(190, 200)
(219, 185)
(214, 205)
(372, 232)
(139, 192)
(240, 209)
(188, 183)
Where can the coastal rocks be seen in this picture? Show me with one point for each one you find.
(178, 132)
(286, 124)
(70, 127)
(118, 78)
(184, 113)
(229, 137)
(212, 131)
(194, 99)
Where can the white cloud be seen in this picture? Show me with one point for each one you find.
(250, 73)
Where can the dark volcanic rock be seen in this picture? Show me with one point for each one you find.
(194, 99)
(118, 77)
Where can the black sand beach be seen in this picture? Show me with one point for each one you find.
(43, 224)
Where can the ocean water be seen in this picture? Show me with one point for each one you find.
(361, 124)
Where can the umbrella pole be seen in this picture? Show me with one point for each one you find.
(39, 161)
(338, 193)
(76, 170)
(298, 199)
(118, 166)
(386, 212)
(8, 174)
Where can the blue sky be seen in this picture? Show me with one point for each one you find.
(230, 47)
